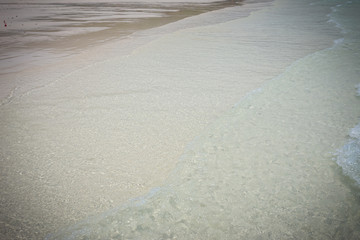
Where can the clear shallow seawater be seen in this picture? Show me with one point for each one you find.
(348, 157)
(266, 169)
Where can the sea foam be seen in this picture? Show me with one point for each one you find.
(348, 157)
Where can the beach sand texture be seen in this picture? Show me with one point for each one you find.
(157, 109)
(42, 31)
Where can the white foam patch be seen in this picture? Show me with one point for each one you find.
(338, 41)
(348, 156)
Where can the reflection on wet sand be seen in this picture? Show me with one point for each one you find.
(35, 30)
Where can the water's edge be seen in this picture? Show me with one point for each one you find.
(264, 169)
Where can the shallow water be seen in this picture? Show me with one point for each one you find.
(80, 143)
(265, 169)
(109, 118)
(46, 31)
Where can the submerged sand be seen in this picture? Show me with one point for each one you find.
(60, 164)
(88, 133)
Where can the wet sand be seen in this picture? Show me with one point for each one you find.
(36, 43)
(88, 132)
(38, 31)
(53, 173)
(263, 170)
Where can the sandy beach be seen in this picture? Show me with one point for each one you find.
(74, 173)
(201, 128)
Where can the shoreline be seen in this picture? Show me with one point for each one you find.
(53, 57)
(58, 36)
(48, 189)
(119, 116)
(259, 172)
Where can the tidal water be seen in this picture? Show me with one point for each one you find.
(283, 163)
(37, 31)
